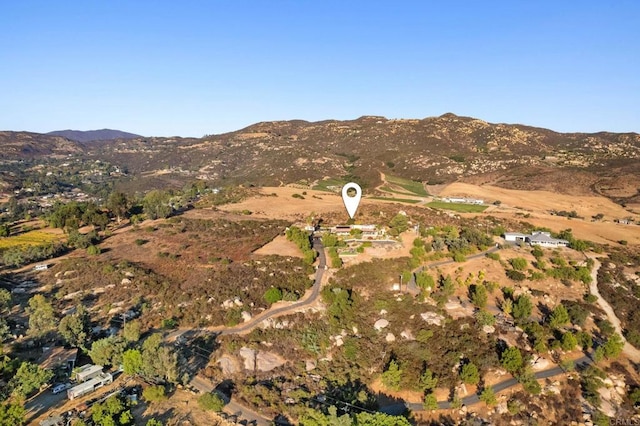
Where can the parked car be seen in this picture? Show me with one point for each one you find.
(60, 387)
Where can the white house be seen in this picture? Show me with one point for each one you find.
(545, 239)
(537, 238)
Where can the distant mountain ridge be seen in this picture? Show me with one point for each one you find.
(94, 135)
(435, 150)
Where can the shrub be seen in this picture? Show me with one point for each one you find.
(154, 393)
(516, 275)
(518, 263)
(493, 256)
(459, 257)
(273, 295)
(211, 402)
(140, 242)
(93, 250)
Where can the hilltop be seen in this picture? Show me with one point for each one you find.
(93, 135)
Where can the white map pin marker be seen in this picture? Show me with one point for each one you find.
(351, 203)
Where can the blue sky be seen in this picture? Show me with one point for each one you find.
(191, 67)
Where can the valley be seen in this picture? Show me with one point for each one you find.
(223, 293)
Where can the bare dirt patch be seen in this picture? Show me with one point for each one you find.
(279, 246)
(542, 201)
(181, 408)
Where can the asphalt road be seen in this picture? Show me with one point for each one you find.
(270, 313)
(233, 407)
(475, 399)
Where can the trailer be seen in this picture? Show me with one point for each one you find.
(89, 386)
(87, 372)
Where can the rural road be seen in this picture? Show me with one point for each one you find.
(475, 399)
(631, 352)
(233, 407)
(270, 313)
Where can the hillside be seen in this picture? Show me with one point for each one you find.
(27, 145)
(433, 150)
(94, 135)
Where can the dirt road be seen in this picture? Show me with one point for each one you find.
(631, 352)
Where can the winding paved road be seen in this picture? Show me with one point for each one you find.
(307, 301)
(233, 407)
(475, 399)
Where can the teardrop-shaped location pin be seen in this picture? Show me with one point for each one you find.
(351, 202)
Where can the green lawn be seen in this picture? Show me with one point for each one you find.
(457, 207)
(397, 200)
(411, 186)
(324, 185)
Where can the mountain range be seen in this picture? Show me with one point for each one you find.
(434, 150)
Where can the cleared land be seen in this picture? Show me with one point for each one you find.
(457, 207)
(543, 201)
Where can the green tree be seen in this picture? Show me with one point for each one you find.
(131, 331)
(154, 393)
(75, 329)
(132, 361)
(485, 318)
(28, 378)
(159, 361)
(379, 419)
(398, 224)
(488, 396)
(154, 422)
(41, 317)
(156, 204)
(425, 281)
(5, 230)
(427, 381)
(569, 341)
(613, 346)
(559, 316)
(112, 412)
(211, 401)
(430, 402)
(511, 359)
(12, 414)
(5, 300)
(5, 331)
(392, 376)
(329, 240)
(118, 204)
(479, 295)
(469, 374)
(522, 308)
(107, 351)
